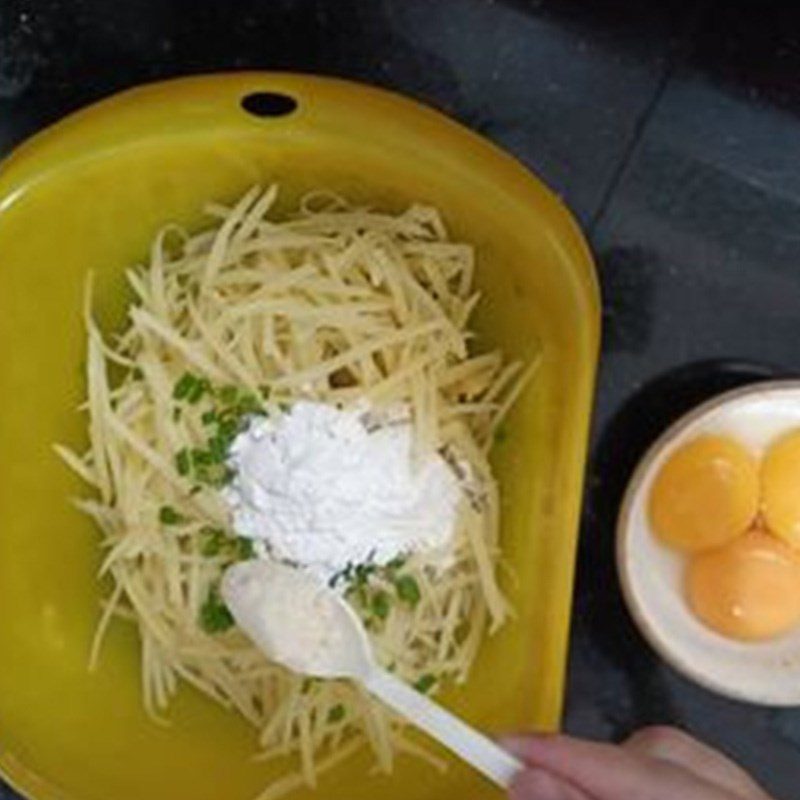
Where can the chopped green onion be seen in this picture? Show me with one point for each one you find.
(216, 475)
(197, 391)
(336, 714)
(227, 429)
(248, 404)
(361, 594)
(218, 449)
(363, 572)
(214, 614)
(408, 590)
(228, 394)
(335, 578)
(244, 548)
(208, 417)
(167, 515)
(380, 605)
(201, 458)
(213, 540)
(183, 462)
(396, 563)
(342, 575)
(184, 385)
(425, 683)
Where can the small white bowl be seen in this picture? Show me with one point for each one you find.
(767, 673)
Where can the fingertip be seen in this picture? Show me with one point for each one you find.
(591, 767)
(536, 784)
(525, 747)
(516, 745)
(659, 740)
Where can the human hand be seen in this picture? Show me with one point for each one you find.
(654, 764)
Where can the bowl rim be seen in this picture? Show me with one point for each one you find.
(658, 643)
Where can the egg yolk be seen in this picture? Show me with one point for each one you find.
(780, 492)
(705, 495)
(749, 589)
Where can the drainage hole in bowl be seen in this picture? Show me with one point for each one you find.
(268, 104)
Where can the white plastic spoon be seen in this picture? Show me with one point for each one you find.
(297, 621)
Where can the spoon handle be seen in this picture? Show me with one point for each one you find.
(475, 748)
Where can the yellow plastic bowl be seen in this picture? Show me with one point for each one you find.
(88, 194)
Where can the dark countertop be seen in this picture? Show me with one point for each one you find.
(670, 128)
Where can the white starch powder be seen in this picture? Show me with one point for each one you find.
(287, 613)
(322, 489)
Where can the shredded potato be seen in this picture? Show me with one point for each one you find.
(332, 303)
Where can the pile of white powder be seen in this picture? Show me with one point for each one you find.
(323, 489)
